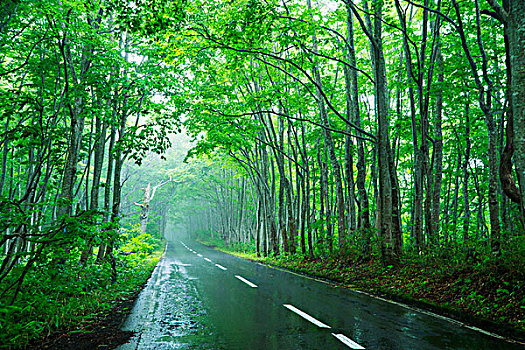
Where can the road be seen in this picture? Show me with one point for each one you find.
(199, 298)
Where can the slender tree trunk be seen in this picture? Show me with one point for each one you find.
(485, 87)
(100, 130)
(107, 186)
(417, 209)
(329, 144)
(397, 234)
(506, 173)
(383, 135)
(76, 117)
(324, 210)
(437, 152)
(349, 146)
(455, 201)
(258, 229)
(464, 168)
(306, 213)
(5, 152)
(516, 25)
(117, 192)
(364, 207)
(294, 221)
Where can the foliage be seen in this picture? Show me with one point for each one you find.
(257, 97)
(138, 245)
(78, 99)
(58, 298)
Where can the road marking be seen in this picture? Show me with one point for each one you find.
(347, 341)
(246, 281)
(306, 316)
(200, 255)
(221, 267)
(207, 259)
(194, 252)
(412, 308)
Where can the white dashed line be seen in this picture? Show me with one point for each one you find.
(306, 316)
(246, 281)
(347, 341)
(341, 337)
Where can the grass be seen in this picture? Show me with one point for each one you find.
(68, 298)
(240, 250)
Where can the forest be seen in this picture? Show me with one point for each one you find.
(387, 135)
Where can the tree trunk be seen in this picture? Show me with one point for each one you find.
(149, 194)
(329, 144)
(117, 190)
(322, 193)
(506, 175)
(349, 146)
(397, 234)
(364, 207)
(107, 184)
(437, 152)
(485, 88)
(100, 142)
(464, 167)
(383, 135)
(516, 25)
(144, 208)
(5, 152)
(417, 209)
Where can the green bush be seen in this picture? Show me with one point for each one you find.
(60, 295)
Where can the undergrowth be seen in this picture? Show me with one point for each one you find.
(58, 297)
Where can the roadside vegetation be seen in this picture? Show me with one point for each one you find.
(79, 105)
(59, 299)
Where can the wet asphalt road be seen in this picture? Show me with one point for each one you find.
(198, 298)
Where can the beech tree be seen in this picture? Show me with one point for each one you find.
(66, 84)
(326, 77)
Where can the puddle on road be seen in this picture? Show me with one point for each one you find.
(169, 314)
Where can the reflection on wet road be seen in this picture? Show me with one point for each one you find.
(198, 298)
